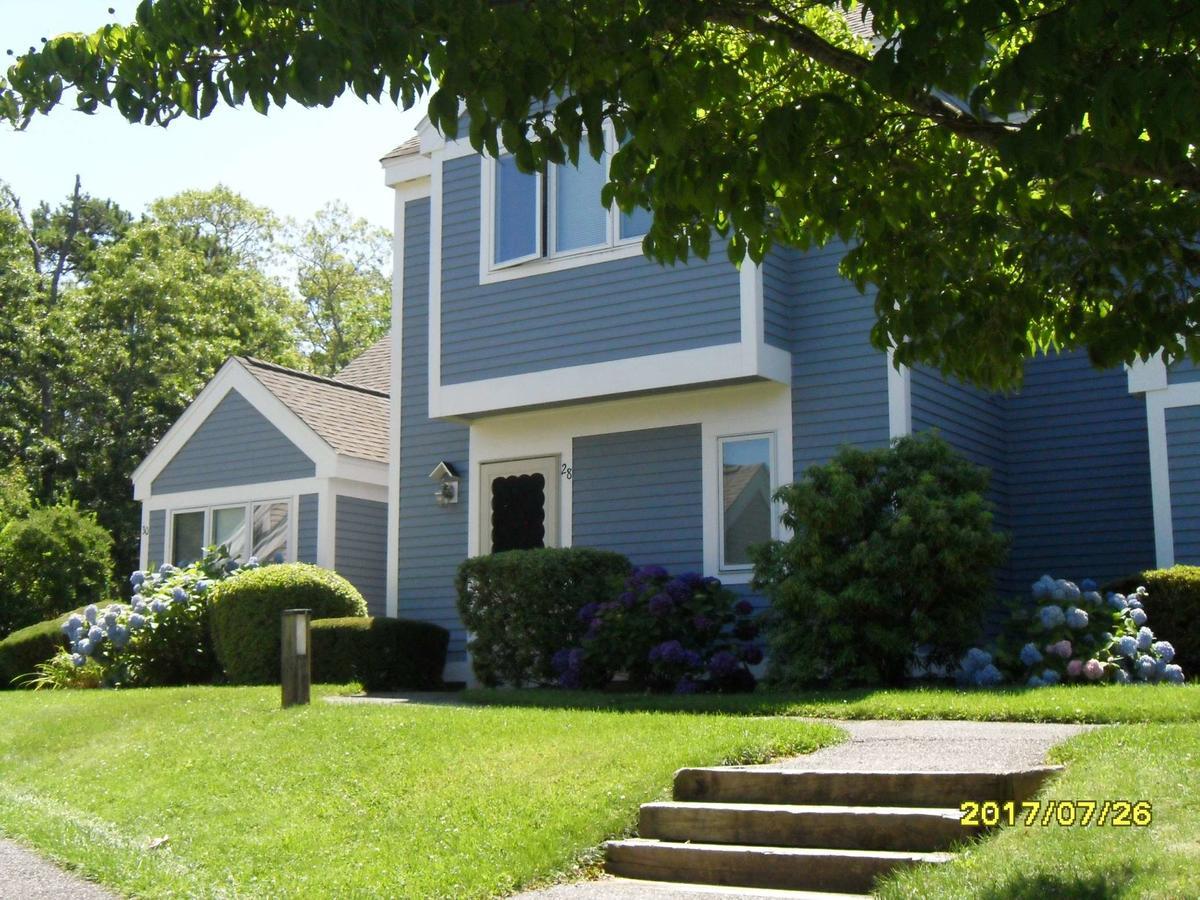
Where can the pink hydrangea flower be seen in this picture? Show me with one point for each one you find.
(1093, 670)
(1074, 667)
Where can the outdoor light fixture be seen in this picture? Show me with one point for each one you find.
(447, 480)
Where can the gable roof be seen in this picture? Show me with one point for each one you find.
(372, 368)
(351, 418)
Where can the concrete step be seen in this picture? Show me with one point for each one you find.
(790, 868)
(792, 825)
(746, 784)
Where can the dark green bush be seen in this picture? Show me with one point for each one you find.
(245, 614)
(382, 654)
(522, 606)
(893, 550)
(52, 560)
(23, 650)
(1173, 608)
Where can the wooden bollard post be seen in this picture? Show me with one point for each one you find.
(295, 664)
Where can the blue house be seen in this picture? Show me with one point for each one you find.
(544, 384)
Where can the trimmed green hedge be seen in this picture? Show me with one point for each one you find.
(1173, 608)
(382, 654)
(522, 606)
(23, 650)
(246, 608)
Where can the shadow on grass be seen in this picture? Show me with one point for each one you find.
(1094, 886)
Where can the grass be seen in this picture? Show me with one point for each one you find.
(336, 800)
(1089, 704)
(1159, 763)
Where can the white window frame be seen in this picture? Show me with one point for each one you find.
(773, 462)
(547, 258)
(247, 508)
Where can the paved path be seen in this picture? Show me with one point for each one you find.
(26, 876)
(936, 746)
(919, 746)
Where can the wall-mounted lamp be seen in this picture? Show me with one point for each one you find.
(447, 480)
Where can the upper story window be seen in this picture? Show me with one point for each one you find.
(556, 215)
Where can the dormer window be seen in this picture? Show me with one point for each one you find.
(553, 219)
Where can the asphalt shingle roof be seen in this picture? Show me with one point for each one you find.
(351, 418)
(372, 368)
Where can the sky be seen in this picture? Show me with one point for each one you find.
(293, 160)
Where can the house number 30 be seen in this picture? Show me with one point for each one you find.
(566, 471)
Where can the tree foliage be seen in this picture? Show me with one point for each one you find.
(343, 277)
(1009, 176)
(110, 326)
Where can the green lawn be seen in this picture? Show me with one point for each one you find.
(1159, 763)
(1114, 703)
(362, 801)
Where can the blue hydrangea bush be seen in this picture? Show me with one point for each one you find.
(1073, 634)
(684, 634)
(161, 637)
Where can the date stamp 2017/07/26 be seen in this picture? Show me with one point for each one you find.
(1115, 813)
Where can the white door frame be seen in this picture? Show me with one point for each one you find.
(546, 466)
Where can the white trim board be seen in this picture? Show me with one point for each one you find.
(899, 388)
(1158, 401)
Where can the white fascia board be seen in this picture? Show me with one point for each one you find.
(660, 371)
(406, 170)
(1147, 375)
(359, 490)
(364, 471)
(234, 494)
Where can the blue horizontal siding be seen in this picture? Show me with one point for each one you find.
(973, 422)
(1183, 371)
(839, 381)
(777, 297)
(157, 539)
(639, 493)
(595, 313)
(1183, 454)
(432, 538)
(236, 444)
(306, 528)
(360, 548)
(1078, 473)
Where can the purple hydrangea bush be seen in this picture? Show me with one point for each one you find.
(1075, 635)
(685, 634)
(160, 637)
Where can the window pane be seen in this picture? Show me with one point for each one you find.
(746, 493)
(187, 537)
(270, 532)
(516, 222)
(579, 218)
(229, 530)
(636, 223)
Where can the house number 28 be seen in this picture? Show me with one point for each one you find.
(566, 471)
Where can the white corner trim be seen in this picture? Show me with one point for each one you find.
(233, 375)
(1147, 375)
(1160, 478)
(394, 406)
(750, 289)
(899, 385)
(434, 329)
